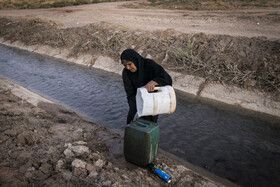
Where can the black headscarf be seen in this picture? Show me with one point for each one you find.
(147, 70)
(137, 77)
(131, 55)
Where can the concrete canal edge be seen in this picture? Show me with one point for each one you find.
(230, 98)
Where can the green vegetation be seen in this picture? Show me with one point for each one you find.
(30, 4)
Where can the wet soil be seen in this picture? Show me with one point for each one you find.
(49, 145)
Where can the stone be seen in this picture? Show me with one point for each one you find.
(79, 168)
(30, 169)
(95, 156)
(110, 165)
(149, 180)
(80, 143)
(45, 168)
(67, 145)
(59, 165)
(79, 150)
(80, 172)
(125, 177)
(29, 172)
(99, 163)
(90, 168)
(93, 174)
(116, 184)
(68, 153)
(77, 163)
(67, 175)
(106, 183)
(87, 136)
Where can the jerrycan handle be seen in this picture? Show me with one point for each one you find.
(156, 88)
(142, 124)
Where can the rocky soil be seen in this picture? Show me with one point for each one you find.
(49, 145)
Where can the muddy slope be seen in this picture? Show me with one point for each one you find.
(251, 63)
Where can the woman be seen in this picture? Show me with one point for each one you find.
(141, 72)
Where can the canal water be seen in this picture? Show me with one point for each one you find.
(242, 149)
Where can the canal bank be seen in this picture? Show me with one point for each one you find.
(230, 98)
(224, 143)
(43, 143)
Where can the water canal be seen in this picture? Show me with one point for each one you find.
(239, 148)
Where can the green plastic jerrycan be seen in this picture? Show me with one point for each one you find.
(141, 139)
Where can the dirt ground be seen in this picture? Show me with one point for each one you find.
(248, 22)
(49, 145)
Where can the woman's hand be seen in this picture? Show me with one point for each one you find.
(150, 86)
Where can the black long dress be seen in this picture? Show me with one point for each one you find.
(147, 70)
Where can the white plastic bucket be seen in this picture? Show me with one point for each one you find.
(161, 102)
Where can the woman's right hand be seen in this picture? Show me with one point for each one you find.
(150, 86)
